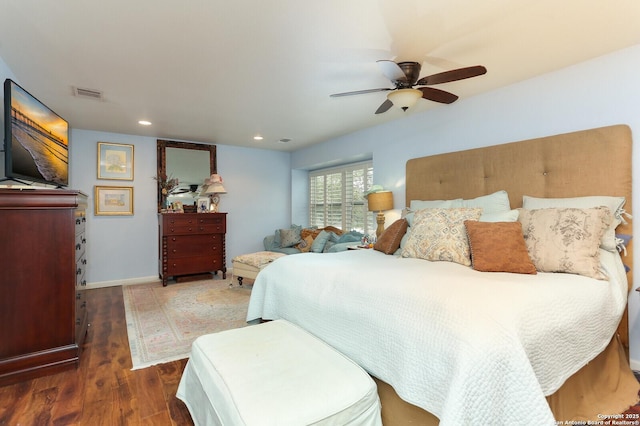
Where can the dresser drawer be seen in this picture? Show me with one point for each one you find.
(80, 220)
(80, 243)
(193, 245)
(194, 264)
(199, 228)
(81, 269)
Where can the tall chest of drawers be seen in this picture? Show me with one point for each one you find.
(42, 309)
(192, 244)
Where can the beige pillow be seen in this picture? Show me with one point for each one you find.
(498, 247)
(439, 234)
(390, 239)
(566, 239)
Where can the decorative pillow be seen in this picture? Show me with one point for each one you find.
(498, 247)
(492, 203)
(305, 245)
(439, 234)
(320, 241)
(565, 240)
(390, 239)
(289, 237)
(614, 204)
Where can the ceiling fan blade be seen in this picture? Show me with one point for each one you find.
(437, 95)
(453, 75)
(384, 107)
(391, 70)
(360, 92)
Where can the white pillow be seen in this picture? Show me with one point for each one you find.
(614, 204)
(508, 216)
(492, 203)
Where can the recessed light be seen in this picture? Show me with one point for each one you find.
(144, 123)
(257, 138)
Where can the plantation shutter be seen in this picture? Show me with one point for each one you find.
(336, 197)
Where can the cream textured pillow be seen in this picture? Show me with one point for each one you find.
(439, 234)
(565, 239)
(615, 205)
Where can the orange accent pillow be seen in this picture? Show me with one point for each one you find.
(390, 239)
(498, 247)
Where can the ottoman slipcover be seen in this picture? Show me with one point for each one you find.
(275, 373)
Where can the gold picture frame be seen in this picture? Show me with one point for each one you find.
(113, 200)
(115, 161)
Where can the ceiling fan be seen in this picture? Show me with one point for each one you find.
(404, 75)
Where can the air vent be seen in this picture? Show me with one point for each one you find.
(284, 140)
(88, 93)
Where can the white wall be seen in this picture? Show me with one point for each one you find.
(600, 92)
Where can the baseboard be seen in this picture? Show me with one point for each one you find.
(128, 281)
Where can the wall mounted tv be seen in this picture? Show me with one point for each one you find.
(36, 139)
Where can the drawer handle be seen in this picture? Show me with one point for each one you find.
(174, 251)
(190, 229)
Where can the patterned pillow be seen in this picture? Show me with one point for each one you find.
(439, 234)
(390, 239)
(566, 239)
(498, 247)
(289, 237)
(305, 245)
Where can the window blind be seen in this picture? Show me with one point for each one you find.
(336, 197)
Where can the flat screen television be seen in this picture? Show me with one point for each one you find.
(36, 139)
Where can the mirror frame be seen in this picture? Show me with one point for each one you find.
(161, 147)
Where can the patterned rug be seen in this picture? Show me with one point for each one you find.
(162, 322)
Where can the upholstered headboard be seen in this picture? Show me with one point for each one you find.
(589, 162)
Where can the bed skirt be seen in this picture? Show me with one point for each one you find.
(604, 386)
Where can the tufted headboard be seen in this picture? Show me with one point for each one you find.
(588, 162)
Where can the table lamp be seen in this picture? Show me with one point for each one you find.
(378, 202)
(211, 188)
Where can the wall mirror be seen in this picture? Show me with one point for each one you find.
(189, 163)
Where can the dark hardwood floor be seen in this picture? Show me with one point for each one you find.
(103, 390)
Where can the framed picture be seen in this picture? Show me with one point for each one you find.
(113, 200)
(177, 207)
(203, 205)
(115, 161)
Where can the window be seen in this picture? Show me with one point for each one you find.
(336, 197)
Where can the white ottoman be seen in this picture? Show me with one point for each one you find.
(249, 265)
(275, 373)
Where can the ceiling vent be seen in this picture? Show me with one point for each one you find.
(88, 93)
(284, 140)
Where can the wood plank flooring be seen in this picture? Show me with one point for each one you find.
(103, 390)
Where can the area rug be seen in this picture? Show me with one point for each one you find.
(162, 322)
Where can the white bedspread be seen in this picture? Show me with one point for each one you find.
(470, 347)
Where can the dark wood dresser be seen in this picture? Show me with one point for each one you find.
(192, 244)
(42, 308)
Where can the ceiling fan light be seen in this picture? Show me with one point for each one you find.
(404, 98)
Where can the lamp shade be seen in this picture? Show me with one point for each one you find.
(404, 98)
(379, 201)
(213, 185)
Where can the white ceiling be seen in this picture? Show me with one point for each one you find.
(222, 71)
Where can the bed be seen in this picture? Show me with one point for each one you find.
(451, 345)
